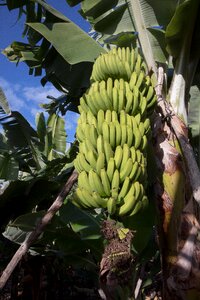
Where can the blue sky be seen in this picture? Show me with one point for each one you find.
(24, 92)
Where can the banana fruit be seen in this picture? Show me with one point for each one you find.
(113, 132)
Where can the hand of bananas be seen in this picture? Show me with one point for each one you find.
(113, 133)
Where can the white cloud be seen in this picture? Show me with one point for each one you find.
(71, 120)
(26, 99)
(39, 94)
(11, 92)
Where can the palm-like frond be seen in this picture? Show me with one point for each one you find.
(126, 18)
(21, 138)
(53, 41)
(52, 135)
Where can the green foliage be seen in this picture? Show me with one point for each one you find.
(71, 232)
(45, 48)
(194, 120)
(34, 164)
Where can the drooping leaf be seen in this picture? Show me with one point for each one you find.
(22, 139)
(56, 135)
(181, 26)
(56, 33)
(70, 79)
(143, 17)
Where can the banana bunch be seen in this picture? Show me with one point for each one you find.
(135, 96)
(118, 63)
(113, 131)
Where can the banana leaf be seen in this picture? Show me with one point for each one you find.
(182, 37)
(146, 19)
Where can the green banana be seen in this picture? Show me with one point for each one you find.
(100, 144)
(84, 165)
(110, 168)
(122, 117)
(111, 206)
(89, 145)
(101, 86)
(118, 156)
(127, 207)
(83, 200)
(95, 183)
(137, 137)
(143, 104)
(121, 100)
(114, 116)
(93, 134)
(138, 64)
(129, 101)
(118, 133)
(106, 131)
(133, 153)
(91, 158)
(105, 181)
(124, 134)
(109, 87)
(128, 56)
(140, 79)
(115, 184)
(136, 209)
(128, 69)
(91, 120)
(100, 163)
(138, 191)
(126, 156)
(100, 120)
(112, 135)
(98, 100)
(106, 99)
(133, 80)
(133, 59)
(134, 171)
(144, 143)
(138, 118)
(124, 189)
(147, 125)
(126, 170)
(108, 116)
(129, 136)
(83, 104)
(92, 103)
(135, 101)
(100, 201)
(83, 181)
(115, 98)
(80, 134)
(108, 150)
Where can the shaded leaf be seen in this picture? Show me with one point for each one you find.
(181, 45)
(81, 221)
(179, 28)
(12, 4)
(194, 120)
(9, 167)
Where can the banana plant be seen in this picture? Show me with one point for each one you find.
(167, 36)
